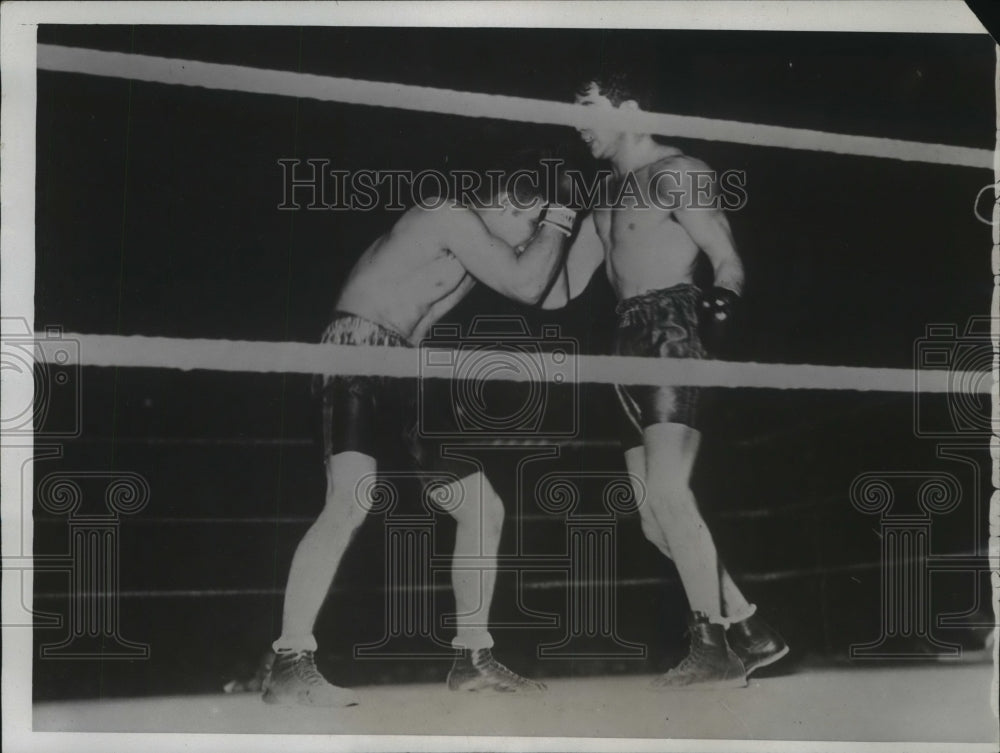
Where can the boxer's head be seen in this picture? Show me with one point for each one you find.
(513, 214)
(613, 93)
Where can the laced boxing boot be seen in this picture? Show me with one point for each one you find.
(478, 670)
(294, 679)
(756, 643)
(709, 664)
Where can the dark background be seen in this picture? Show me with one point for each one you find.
(157, 215)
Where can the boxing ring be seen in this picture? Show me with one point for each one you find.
(812, 703)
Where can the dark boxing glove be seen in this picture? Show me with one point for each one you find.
(718, 308)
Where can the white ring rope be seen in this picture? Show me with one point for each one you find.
(308, 358)
(475, 104)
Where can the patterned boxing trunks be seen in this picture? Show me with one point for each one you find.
(658, 324)
(361, 411)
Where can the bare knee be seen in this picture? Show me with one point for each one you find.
(351, 484)
(481, 508)
(671, 499)
(342, 511)
(651, 530)
(493, 515)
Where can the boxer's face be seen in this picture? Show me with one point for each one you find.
(513, 224)
(603, 144)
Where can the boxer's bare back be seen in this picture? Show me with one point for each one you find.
(405, 274)
(431, 258)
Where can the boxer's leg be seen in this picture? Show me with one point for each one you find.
(635, 463)
(671, 449)
(349, 438)
(319, 553)
(479, 523)
(735, 607)
(294, 678)
(479, 517)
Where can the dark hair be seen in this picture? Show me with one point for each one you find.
(524, 192)
(619, 87)
(514, 160)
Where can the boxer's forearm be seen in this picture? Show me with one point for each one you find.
(728, 272)
(537, 265)
(710, 231)
(558, 295)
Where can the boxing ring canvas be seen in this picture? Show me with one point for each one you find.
(191, 192)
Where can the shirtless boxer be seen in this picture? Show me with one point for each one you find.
(402, 284)
(649, 254)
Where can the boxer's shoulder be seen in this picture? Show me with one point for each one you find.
(679, 163)
(453, 222)
(440, 213)
(428, 223)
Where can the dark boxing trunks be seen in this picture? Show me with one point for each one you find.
(361, 412)
(658, 324)
(357, 409)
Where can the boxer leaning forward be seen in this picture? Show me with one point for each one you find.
(402, 284)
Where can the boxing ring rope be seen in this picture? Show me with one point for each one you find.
(307, 358)
(97, 350)
(273, 357)
(499, 107)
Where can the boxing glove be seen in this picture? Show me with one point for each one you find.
(718, 308)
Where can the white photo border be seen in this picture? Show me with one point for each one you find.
(18, 38)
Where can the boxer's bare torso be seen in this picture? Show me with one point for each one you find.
(408, 278)
(652, 242)
(431, 258)
(663, 211)
(645, 247)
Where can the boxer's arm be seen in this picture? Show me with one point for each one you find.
(558, 295)
(584, 257)
(708, 227)
(524, 277)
